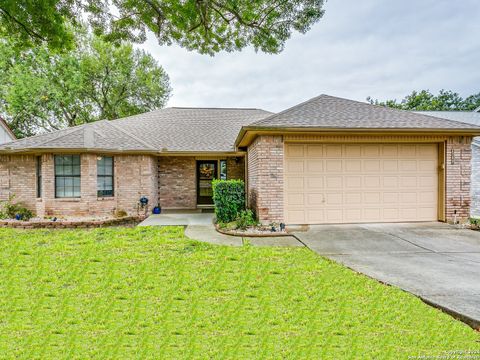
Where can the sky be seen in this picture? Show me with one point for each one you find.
(378, 48)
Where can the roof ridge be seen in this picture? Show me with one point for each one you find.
(214, 108)
(260, 122)
(111, 123)
(68, 131)
(288, 109)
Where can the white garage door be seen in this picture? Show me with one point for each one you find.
(355, 183)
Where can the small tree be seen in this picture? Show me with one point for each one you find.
(229, 199)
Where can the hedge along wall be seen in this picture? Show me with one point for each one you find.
(229, 199)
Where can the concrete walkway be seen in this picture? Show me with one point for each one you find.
(210, 235)
(199, 226)
(437, 262)
(179, 219)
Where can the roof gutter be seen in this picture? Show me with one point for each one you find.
(255, 131)
(29, 151)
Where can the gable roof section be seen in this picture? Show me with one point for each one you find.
(4, 124)
(331, 112)
(167, 130)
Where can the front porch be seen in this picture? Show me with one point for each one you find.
(180, 218)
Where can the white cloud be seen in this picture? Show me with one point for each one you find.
(379, 48)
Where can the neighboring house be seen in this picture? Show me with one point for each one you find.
(6, 135)
(327, 160)
(470, 117)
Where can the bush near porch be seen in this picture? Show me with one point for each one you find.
(229, 199)
(151, 293)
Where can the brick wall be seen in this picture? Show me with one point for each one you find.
(177, 185)
(236, 168)
(458, 178)
(135, 175)
(265, 178)
(18, 177)
(475, 178)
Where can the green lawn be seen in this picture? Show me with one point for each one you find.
(152, 293)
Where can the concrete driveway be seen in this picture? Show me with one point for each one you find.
(435, 261)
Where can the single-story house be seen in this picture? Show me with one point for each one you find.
(470, 117)
(327, 160)
(6, 135)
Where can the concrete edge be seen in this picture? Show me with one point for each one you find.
(473, 323)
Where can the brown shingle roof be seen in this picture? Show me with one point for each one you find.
(170, 129)
(327, 111)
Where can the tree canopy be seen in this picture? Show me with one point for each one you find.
(43, 91)
(207, 26)
(424, 100)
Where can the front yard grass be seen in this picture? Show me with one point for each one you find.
(152, 293)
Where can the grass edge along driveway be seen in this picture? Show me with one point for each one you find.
(152, 293)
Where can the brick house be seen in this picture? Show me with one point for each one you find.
(328, 160)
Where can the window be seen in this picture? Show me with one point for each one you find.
(223, 169)
(67, 176)
(104, 176)
(39, 176)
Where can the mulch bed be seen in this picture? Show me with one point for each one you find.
(67, 224)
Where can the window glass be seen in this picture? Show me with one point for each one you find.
(39, 176)
(223, 169)
(67, 176)
(105, 176)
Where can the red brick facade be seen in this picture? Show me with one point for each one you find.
(171, 181)
(177, 182)
(458, 170)
(177, 179)
(265, 178)
(135, 176)
(168, 181)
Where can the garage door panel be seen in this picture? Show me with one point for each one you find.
(353, 165)
(294, 183)
(334, 151)
(295, 199)
(334, 166)
(316, 216)
(295, 166)
(315, 199)
(314, 150)
(352, 182)
(371, 165)
(314, 165)
(295, 151)
(341, 183)
(353, 198)
(334, 182)
(315, 182)
(353, 151)
(372, 182)
(372, 197)
(390, 166)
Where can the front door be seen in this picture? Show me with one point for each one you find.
(206, 172)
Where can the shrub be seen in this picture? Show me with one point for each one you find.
(229, 199)
(10, 210)
(245, 219)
